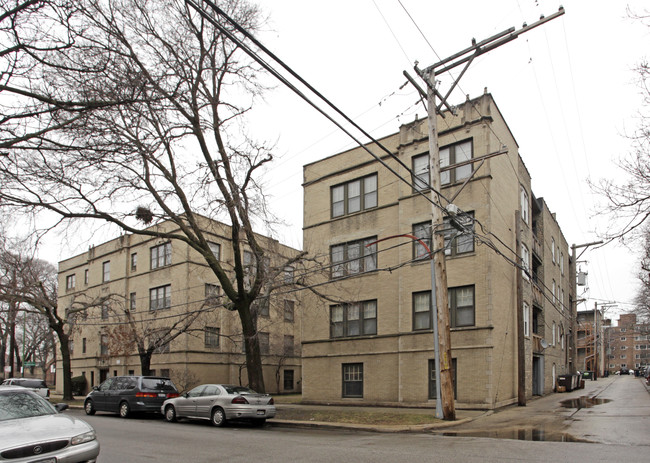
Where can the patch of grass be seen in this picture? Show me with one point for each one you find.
(356, 417)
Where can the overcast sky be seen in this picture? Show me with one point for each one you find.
(567, 91)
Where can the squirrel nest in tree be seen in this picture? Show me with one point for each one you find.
(144, 214)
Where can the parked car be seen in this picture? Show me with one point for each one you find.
(129, 394)
(37, 385)
(220, 403)
(33, 430)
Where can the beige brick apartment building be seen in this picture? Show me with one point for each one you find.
(369, 340)
(628, 344)
(160, 282)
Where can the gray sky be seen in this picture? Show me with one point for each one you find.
(566, 89)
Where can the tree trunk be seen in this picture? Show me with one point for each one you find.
(65, 364)
(145, 362)
(252, 345)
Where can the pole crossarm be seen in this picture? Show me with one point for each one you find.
(489, 44)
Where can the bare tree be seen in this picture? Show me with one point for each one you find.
(628, 202)
(642, 299)
(165, 138)
(33, 283)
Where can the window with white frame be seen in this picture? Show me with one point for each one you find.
(525, 262)
(553, 249)
(288, 310)
(459, 234)
(70, 281)
(161, 255)
(524, 203)
(422, 311)
(354, 257)
(420, 165)
(422, 231)
(554, 339)
(553, 291)
(354, 196)
(562, 263)
(212, 294)
(526, 309)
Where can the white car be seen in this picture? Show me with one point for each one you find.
(37, 385)
(220, 403)
(34, 430)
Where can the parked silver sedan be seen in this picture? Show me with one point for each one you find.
(220, 403)
(33, 430)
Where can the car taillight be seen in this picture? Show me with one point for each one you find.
(47, 394)
(271, 401)
(239, 400)
(171, 395)
(146, 394)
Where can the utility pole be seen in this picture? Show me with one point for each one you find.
(574, 305)
(440, 305)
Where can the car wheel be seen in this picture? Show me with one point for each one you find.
(125, 410)
(259, 422)
(218, 418)
(89, 407)
(170, 413)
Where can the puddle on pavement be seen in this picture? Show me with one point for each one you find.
(583, 402)
(527, 434)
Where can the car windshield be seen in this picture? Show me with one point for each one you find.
(238, 390)
(160, 384)
(16, 404)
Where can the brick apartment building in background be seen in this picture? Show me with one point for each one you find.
(369, 339)
(159, 282)
(628, 344)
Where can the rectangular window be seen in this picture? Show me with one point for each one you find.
(211, 334)
(288, 310)
(287, 275)
(104, 311)
(553, 249)
(103, 344)
(461, 306)
(70, 281)
(160, 297)
(524, 204)
(83, 346)
(422, 311)
(353, 257)
(161, 255)
(354, 319)
(106, 271)
(212, 293)
(423, 232)
(134, 261)
(288, 345)
(455, 154)
(459, 234)
(288, 380)
(526, 317)
(352, 380)
(132, 302)
(163, 347)
(216, 250)
(265, 347)
(420, 165)
(354, 196)
(86, 276)
(525, 262)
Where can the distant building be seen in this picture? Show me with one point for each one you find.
(628, 344)
(159, 282)
(591, 349)
(370, 339)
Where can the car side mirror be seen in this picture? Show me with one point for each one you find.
(95, 388)
(61, 406)
(186, 395)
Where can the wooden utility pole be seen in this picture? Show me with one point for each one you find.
(521, 346)
(439, 279)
